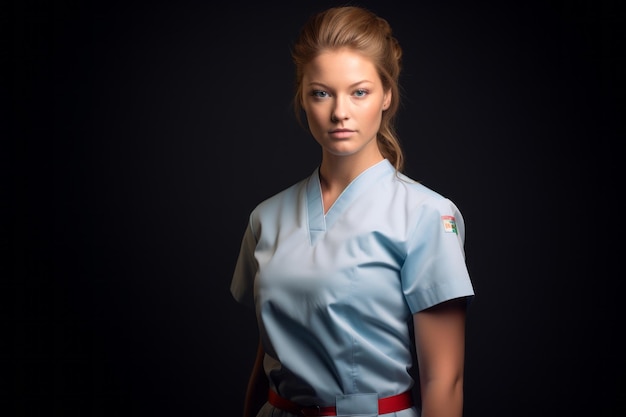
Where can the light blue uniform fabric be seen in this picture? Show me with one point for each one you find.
(334, 294)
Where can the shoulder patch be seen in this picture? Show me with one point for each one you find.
(449, 225)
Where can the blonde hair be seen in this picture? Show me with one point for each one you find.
(368, 34)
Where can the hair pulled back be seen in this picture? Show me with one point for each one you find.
(366, 33)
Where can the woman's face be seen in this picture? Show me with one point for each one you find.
(343, 98)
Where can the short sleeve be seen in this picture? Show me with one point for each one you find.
(434, 270)
(242, 283)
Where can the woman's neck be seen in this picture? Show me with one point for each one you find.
(337, 172)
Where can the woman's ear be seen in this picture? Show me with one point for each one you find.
(387, 100)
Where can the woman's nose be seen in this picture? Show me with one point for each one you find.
(340, 111)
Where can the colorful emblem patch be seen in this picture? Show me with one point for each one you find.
(449, 225)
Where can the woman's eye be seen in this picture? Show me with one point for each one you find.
(319, 93)
(360, 93)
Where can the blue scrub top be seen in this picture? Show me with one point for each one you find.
(334, 294)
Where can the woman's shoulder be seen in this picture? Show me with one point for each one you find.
(275, 203)
(416, 189)
(423, 201)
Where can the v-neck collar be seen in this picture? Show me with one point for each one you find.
(320, 223)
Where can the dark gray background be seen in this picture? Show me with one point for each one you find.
(140, 136)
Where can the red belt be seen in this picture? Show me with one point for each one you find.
(385, 405)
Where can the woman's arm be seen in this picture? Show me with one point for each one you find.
(440, 347)
(256, 392)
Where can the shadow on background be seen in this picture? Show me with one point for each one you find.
(141, 136)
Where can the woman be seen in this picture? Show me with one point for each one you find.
(357, 269)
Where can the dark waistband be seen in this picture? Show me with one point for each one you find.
(385, 405)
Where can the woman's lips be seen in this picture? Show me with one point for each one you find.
(341, 133)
